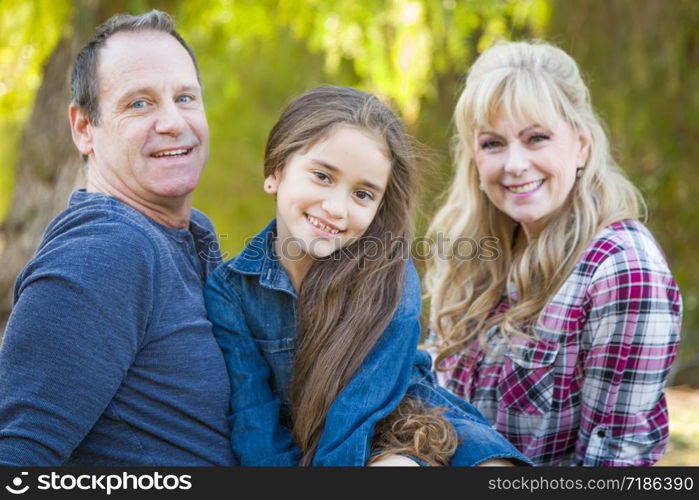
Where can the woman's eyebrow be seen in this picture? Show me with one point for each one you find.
(520, 134)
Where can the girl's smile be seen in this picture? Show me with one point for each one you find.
(323, 228)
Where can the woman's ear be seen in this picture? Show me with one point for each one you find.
(80, 129)
(584, 150)
(271, 184)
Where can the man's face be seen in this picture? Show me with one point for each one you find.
(152, 140)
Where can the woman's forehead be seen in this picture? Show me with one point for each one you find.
(528, 100)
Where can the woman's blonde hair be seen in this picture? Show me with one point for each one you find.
(538, 83)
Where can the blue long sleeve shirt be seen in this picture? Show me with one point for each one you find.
(252, 305)
(108, 357)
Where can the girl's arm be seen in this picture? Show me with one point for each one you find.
(631, 335)
(257, 436)
(376, 388)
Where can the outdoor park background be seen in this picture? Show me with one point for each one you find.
(640, 59)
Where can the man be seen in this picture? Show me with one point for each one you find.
(108, 358)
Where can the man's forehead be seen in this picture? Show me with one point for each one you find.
(144, 55)
(126, 47)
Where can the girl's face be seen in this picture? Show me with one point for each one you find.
(527, 170)
(328, 195)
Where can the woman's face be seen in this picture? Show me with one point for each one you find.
(527, 170)
(328, 195)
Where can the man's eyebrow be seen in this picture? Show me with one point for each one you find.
(190, 88)
(147, 90)
(335, 170)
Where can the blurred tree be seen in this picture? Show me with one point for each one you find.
(254, 55)
(641, 57)
(643, 78)
(48, 165)
(23, 51)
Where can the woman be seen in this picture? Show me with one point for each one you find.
(318, 316)
(565, 338)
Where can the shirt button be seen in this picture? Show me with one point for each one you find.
(601, 433)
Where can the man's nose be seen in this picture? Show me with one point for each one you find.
(517, 160)
(335, 205)
(170, 119)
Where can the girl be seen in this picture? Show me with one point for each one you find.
(564, 341)
(318, 316)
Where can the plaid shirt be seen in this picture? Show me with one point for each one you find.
(589, 389)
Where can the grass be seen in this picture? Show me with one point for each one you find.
(683, 406)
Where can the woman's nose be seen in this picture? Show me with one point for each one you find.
(517, 161)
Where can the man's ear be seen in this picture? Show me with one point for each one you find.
(80, 129)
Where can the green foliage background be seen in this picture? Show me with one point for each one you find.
(254, 55)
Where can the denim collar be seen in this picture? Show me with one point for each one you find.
(259, 258)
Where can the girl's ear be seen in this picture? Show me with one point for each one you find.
(271, 184)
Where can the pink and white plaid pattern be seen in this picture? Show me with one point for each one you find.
(589, 390)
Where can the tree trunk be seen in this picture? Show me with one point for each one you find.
(640, 58)
(48, 166)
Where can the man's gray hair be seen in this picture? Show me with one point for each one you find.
(84, 84)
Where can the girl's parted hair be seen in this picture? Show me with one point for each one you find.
(539, 83)
(347, 299)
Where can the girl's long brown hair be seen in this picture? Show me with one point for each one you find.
(347, 299)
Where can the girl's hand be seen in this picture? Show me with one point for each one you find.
(394, 461)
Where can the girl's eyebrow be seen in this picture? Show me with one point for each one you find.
(337, 170)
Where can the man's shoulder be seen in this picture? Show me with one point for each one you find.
(96, 217)
(202, 220)
(96, 230)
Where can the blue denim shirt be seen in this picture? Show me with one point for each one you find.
(252, 305)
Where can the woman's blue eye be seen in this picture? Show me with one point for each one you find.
(140, 104)
(538, 138)
(490, 144)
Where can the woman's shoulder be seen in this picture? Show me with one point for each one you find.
(628, 241)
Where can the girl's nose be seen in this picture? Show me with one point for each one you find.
(335, 206)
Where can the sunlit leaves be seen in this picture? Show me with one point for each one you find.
(28, 32)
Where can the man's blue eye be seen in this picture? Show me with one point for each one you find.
(184, 98)
(138, 104)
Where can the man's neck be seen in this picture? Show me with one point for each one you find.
(173, 213)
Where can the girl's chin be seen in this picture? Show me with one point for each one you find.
(322, 254)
